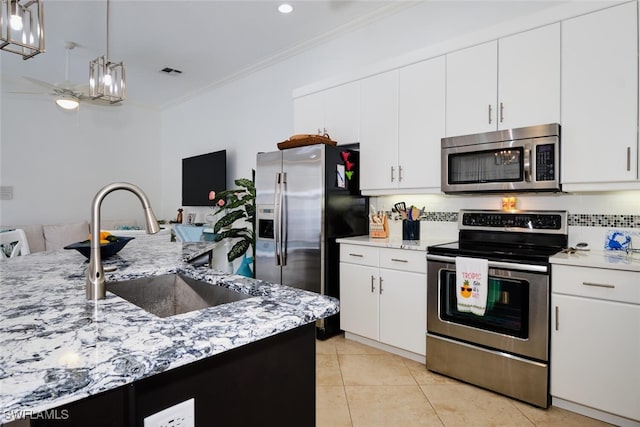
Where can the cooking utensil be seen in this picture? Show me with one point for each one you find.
(415, 213)
(400, 207)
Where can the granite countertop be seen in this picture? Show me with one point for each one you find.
(57, 347)
(392, 242)
(617, 260)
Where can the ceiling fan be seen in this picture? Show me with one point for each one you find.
(68, 95)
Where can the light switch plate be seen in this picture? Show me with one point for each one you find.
(179, 415)
(6, 192)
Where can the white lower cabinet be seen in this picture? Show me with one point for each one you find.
(359, 299)
(595, 340)
(383, 295)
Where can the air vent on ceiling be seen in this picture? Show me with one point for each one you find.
(171, 71)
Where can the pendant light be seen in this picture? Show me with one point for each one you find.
(22, 27)
(106, 78)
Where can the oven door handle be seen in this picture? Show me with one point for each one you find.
(495, 264)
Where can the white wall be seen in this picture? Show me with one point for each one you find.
(56, 160)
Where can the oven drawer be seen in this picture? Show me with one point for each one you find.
(600, 283)
(359, 254)
(404, 260)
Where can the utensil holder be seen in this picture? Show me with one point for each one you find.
(410, 230)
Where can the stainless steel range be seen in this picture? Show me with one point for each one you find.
(506, 349)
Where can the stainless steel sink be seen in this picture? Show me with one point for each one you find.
(170, 294)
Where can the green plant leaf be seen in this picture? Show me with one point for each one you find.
(228, 219)
(244, 182)
(251, 210)
(232, 233)
(238, 249)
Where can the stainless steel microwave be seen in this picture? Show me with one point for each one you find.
(516, 160)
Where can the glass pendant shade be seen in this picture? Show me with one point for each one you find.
(107, 80)
(22, 27)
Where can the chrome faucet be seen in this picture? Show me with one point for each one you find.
(95, 273)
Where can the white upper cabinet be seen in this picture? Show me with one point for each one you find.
(308, 114)
(600, 97)
(504, 84)
(529, 78)
(335, 111)
(472, 87)
(402, 122)
(379, 131)
(421, 126)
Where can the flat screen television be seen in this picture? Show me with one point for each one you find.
(200, 175)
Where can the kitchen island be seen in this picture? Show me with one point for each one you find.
(60, 349)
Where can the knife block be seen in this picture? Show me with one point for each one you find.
(379, 230)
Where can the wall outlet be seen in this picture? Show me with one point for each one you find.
(179, 415)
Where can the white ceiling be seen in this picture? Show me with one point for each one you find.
(210, 41)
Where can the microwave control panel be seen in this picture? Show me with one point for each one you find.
(545, 162)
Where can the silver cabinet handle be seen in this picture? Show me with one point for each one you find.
(373, 286)
(399, 260)
(489, 113)
(357, 255)
(501, 112)
(628, 159)
(380, 285)
(399, 173)
(557, 320)
(599, 285)
(392, 176)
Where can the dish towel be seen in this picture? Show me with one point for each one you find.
(472, 284)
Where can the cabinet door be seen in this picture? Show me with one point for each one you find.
(595, 348)
(308, 115)
(421, 123)
(342, 112)
(600, 96)
(359, 300)
(379, 131)
(529, 78)
(403, 310)
(472, 87)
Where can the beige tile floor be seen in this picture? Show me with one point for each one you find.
(357, 385)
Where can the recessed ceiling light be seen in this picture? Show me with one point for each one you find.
(285, 8)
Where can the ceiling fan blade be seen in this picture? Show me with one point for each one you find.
(40, 82)
(28, 93)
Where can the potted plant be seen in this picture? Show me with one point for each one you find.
(234, 205)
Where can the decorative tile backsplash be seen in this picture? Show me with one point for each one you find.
(581, 220)
(598, 220)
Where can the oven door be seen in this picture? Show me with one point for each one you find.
(516, 320)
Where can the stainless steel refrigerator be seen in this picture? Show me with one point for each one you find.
(306, 198)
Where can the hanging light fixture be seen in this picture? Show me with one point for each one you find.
(106, 78)
(22, 27)
(67, 102)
